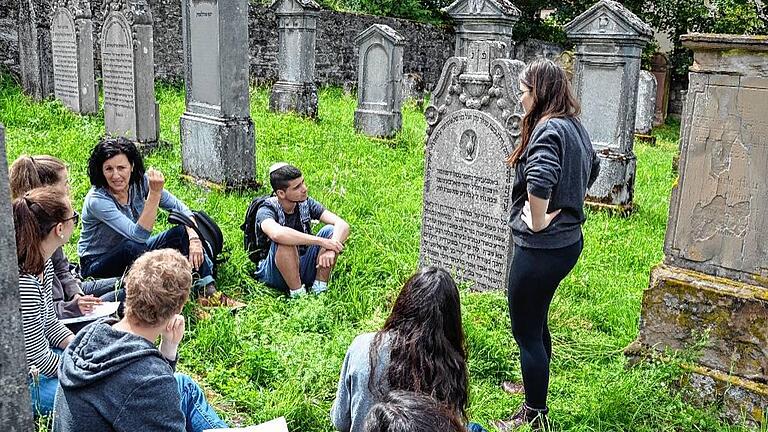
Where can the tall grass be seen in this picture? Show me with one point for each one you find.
(282, 358)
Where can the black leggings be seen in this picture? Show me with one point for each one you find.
(534, 275)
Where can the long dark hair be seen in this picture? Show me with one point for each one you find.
(108, 148)
(552, 97)
(29, 172)
(426, 339)
(34, 216)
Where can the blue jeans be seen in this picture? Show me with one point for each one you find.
(114, 263)
(474, 427)
(269, 274)
(42, 391)
(198, 413)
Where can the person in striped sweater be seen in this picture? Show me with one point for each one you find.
(44, 221)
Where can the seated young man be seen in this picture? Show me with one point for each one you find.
(297, 258)
(113, 378)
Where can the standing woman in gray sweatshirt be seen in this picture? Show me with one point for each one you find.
(554, 165)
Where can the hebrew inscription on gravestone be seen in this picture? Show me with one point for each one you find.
(72, 50)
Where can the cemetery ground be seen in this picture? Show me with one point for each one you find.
(281, 357)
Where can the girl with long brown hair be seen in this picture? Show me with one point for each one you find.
(71, 296)
(44, 221)
(554, 165)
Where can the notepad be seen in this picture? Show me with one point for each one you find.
(276, 425)
(99, 311)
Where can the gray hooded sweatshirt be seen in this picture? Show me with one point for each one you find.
(110, 380)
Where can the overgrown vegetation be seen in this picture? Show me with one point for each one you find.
(282, 358)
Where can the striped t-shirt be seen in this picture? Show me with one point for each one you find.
(42, 330)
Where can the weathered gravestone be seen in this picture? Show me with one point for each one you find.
(478, 20)
(609, 40)
(661, 70)
(295, 89)
(35, 48)
(128, 72)
(473, 125)
(380, 81)
(217, 136)
(646, 103)
(72, 45)
(15, 407)
(711, 293)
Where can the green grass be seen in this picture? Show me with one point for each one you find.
(282, 358)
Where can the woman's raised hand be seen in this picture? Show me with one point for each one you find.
(156, 180)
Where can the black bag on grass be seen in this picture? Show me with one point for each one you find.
(209, 232)
(256, 243)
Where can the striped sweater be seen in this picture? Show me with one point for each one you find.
(42, 330)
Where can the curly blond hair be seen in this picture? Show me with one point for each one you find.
(157, 286)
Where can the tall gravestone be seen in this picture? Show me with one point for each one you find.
(473, 124)
(295, 90)
(646, 103)
(128, 72)
(661, 70)
(217, 135)
(609, 40)
(15, 412)
(711, 293)
(478, 20)
(35, 48)
(379, 81)
(72, 46)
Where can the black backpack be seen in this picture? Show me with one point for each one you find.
(209, 232)
(257, 243)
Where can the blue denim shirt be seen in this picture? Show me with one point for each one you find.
(106, 222)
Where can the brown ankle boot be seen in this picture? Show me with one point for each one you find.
(535, 418)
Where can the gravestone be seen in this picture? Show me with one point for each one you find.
(217, 136)
(710, 296)
(661, 70)
(15, 407)
(646, 103)
(128, 72)
(478, 20)
(609, 40)
(473, 124)
(295, 90)
(36, 64)
(379, 81)
(72, 46)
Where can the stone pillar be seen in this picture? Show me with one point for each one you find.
(128, 72)
(217, 136)
(15, 407)
(646, 103)
(473, 124)
(660, 69)
(35, 48)
(72, 46)
(379, 81)
(609, 40)
(711, 292)
(295, 89)
(478, 20)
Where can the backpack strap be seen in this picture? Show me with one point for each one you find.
(272, 202)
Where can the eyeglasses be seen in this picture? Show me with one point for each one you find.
(75, 217)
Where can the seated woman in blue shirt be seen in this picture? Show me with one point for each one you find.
(119, 214)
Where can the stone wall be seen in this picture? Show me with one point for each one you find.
(427, 48)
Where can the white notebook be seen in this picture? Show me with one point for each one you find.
(276, 425)
(99, 311)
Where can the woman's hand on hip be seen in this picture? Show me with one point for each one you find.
(534, 223)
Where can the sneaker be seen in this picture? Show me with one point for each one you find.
(525, 416)
(513, 388)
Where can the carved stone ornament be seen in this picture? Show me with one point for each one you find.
(79, 8)
(495, 93)
(135, 11)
